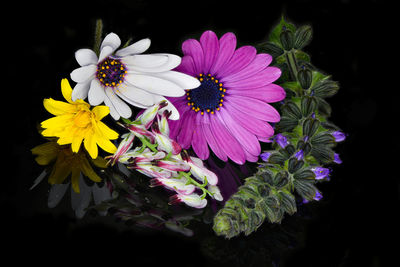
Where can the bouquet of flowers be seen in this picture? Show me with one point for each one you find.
(172, 117)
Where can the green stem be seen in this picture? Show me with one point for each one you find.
(149, 145)
(97, 36)
(292, 64)
(201, 186)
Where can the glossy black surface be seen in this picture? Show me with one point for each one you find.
(351, 226)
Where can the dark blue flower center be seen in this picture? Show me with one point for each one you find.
(208, 97)
(111, 72)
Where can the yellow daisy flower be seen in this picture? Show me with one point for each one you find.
(67, 163)
(75, 123)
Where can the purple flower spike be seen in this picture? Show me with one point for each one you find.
(337, 159)
(299, 155)
(339, 136)
(264, 156)
(321, 173)
(281, 140)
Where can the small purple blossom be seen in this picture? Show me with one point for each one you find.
(299, 154)
(265, 156)
(339, 136)
(321, 173)
(337, 159)
(281, 140)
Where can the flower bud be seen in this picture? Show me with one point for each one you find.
(173, 165)
(302, 36)
(299, 155)
(215, 191)
(305, 78)
(286, 38)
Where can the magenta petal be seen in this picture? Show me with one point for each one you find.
(226, 141)
(253, 107)
(187, 66)
(260, 62)
(240, 59)
(192, 47)
(253, 125)
(248, 140)
(270, 93)
(212, 142)
(227, 46)
(250, 157)
(262, 78)
(209, 43)
(199, 143)
(185, 135)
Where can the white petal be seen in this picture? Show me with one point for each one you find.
(183, 80)
(155, 85)
(146, 61)
(170, 107)
(129, 101)
(121, 107)
(105, 52)
(83, 74)
(85, 57)
(113, 111)
(57, 192)
(81, 90)
(111, 40)
(96, 93)
(135, 48)
(135, 94)
(139, 65)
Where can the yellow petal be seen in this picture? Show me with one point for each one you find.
(66, 90)
(88, 171)
(106, 145)
(56, 107)
(58, 122)
(46, 152)
(100, 162)
(60, 171)
(76, 143)
(90, 145)
(101, 111)
(75, 180)
(106, 131)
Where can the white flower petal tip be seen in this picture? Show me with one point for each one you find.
(112, 40)
(83, 74)
(214, 190)
(199, 171)
(192, 200)
(85, 57)
(135, 48)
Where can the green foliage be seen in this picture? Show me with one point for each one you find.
(272, 191)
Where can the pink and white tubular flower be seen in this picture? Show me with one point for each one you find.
(173, 165)
(192, 200)
(199, 171)
(179, 185)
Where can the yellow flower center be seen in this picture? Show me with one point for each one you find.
(83, 118)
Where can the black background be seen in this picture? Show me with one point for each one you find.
(351, 226)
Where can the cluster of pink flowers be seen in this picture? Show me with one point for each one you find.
(163, 159)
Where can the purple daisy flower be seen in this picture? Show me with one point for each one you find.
(229, 111)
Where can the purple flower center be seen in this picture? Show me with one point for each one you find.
(208, 97)
(111, 72)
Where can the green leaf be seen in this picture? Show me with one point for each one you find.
(270, 48)
(325, 88)
(305, 188)
(293, 86)
(302, 56)
(317, 77)
(288, 202)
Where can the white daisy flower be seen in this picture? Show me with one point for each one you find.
(123, 76)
